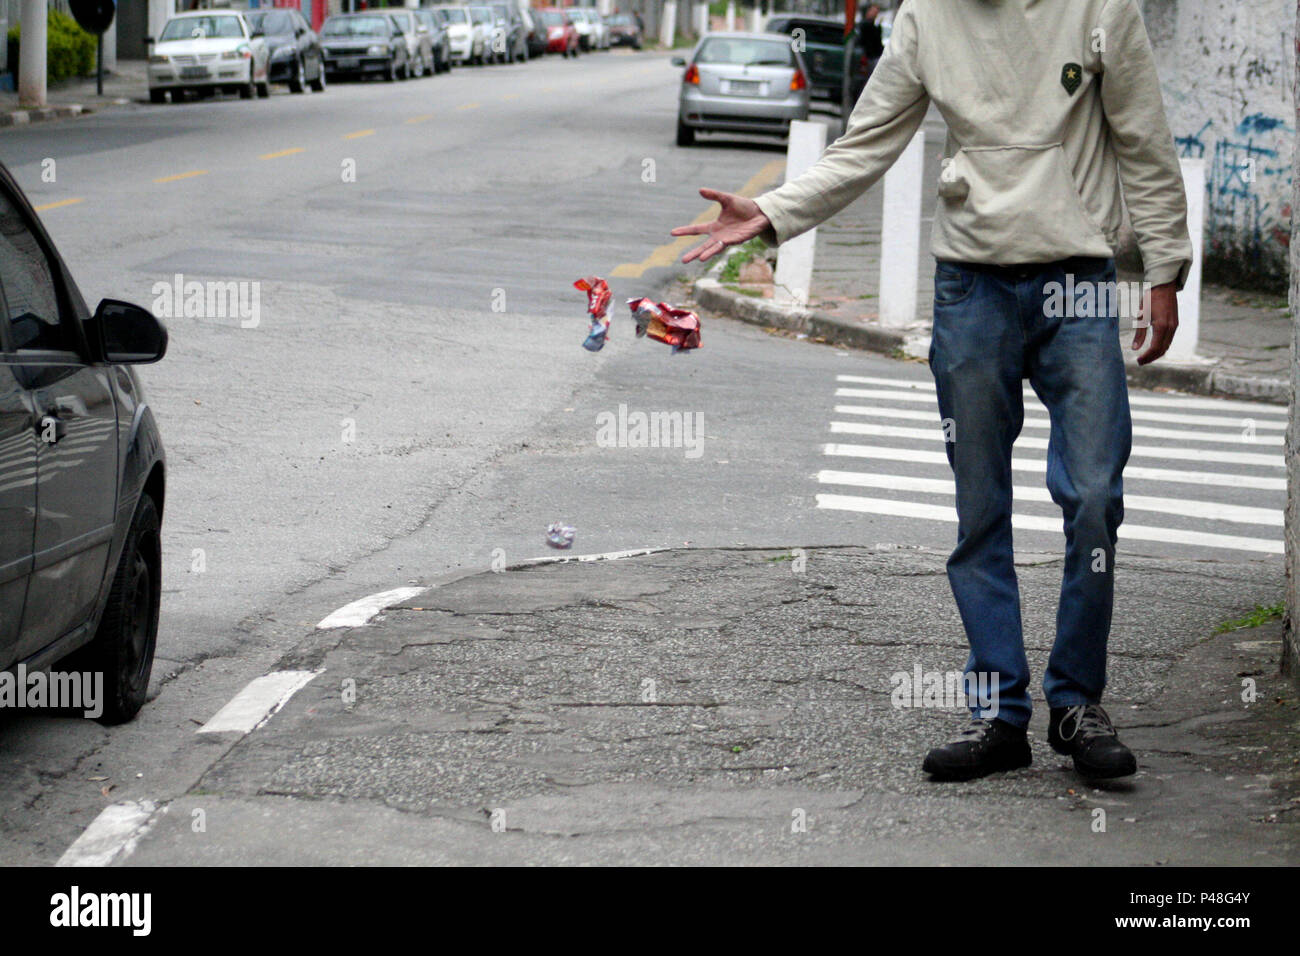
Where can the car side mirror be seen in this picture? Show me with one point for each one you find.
(679, 61)
(128, 334)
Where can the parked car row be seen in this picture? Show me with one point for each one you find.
(245, 51)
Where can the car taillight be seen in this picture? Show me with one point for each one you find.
(798, 82)
(692, 75)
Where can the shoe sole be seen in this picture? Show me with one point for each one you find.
(1095, 773)
(942, 774)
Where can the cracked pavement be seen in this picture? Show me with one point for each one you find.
(690, 706)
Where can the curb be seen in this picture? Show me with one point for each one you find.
(1196, 379)
(41, 114)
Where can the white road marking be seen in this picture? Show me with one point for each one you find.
(601, 556)
(112, 834)
(1175, 401)
(360, 612)
(913, 509)
(1132, 472)
(258, 702)
(1030, 441)
(1233, 437)
(1204, 510)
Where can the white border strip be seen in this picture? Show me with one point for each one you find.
(115, 832)
(258, 702)
(359, 613)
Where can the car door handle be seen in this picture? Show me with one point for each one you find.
(50, 429)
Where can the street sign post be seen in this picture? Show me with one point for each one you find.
(95, 16)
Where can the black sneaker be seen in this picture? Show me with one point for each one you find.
(1086, 734)
(985, 747)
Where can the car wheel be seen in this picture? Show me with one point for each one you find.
(296, 84)
(685, 135)
(157, 96)
(248, 90)
(123, 646)
(390, 75)
(264, 89)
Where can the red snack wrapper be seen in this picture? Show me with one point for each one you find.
(598, 295)
(664, 323)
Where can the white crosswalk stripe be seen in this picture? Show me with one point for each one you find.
(1236, 506)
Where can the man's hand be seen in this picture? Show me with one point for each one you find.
(1160, 312)
(739, 221)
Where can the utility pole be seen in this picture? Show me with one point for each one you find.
(31, 54)
(1291, 639)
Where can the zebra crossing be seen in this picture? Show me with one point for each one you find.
(1204, 473)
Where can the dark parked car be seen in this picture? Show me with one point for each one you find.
(824, 48)
(624, 30)
(511, 25)
(81, 472)
(360, 44)
(435, 22)
(295, 52)
(535, 33)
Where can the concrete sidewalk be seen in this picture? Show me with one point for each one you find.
(735, 707)
(127, 83)
(1245, 335)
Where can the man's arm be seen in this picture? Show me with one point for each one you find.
(886, 117)
(1148, 168)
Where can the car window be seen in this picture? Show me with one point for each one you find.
(401, 27)
(738, 52)
(30, 300)
(456, 16)
(185, 28)
(354, 27)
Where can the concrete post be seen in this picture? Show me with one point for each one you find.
(701, 19)
(731, 15)
(1183, 348)
(1291, 637)
(900, 235)
(668, 25)
(31, 54)
(794, 261)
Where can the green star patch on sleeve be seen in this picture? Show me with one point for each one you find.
(1071, 77)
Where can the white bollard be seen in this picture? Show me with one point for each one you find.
(794, 260)
(1186, 338)
(900, 236)
(731, 15)
(668, 23)
(701, 19)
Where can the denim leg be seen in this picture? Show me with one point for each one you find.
(976, 356)
(1077, 369)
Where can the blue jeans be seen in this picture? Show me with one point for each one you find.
(993, 328)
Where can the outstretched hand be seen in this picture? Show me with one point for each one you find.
(739, 221)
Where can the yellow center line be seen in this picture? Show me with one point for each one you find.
(669, 253)
(511, 96)
(190, 175)
(468, 106)
(359, 133)
(59, 204)
(283, 152)
(420, 119)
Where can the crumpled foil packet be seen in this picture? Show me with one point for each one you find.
(559, 536)
(664, 323)
(598, 297)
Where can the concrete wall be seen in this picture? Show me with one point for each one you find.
(1291, 639)
(1227, 69)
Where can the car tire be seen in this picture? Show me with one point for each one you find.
(157, 96)
(264, 89)
(123, 646)
(248, 90)
(296, 84)
(318, 84)
(685, 134)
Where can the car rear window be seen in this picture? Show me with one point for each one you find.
(745, 52)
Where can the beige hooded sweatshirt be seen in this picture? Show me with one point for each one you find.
(1050, 106)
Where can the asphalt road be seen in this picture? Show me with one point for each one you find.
(412, 398)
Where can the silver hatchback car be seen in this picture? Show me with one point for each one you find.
(743, 83)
